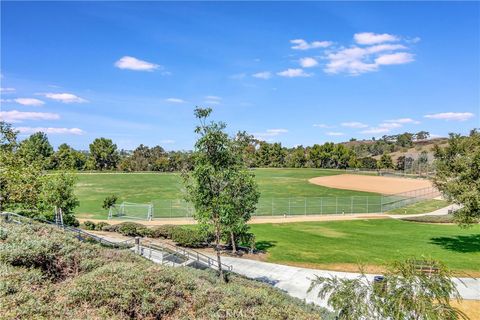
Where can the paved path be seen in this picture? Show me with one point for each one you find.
(295, 281)
(439, 212)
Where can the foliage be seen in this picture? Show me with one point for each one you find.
(130, 229)
(190, 237)
(37, 148)
(116, 284)
(109, 201)
(164, 231)
(89, 225)
(457, 175)
(104, 154)
(58, 192)
(222, 191)
(385, 162)
(67, 158)
(405, 292)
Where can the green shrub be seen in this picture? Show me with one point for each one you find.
(131, 229)
(101, 225)
(89, 225)
(187, 237)
(116, 284)
(164, 231)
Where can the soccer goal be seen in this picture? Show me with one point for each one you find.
(130, 210)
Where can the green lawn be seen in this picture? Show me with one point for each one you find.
(344, 244)
(160, 188)
(425, 206)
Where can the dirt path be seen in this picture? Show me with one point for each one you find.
(257, 220)
(384, 185)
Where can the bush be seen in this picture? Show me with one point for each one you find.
(116, 284)
(101, 225)
(89, 225)
(131, 229)
(164, 231)
(192, 238)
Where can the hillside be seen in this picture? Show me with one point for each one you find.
(48, 274)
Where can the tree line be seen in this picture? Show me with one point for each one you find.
(103, 154)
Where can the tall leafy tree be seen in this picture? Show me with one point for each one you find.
(67, 158)
(385, 162)
(37, 148)
(457, 175)
(104, 154)
(218, 186)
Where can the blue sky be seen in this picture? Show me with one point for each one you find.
(298, 73)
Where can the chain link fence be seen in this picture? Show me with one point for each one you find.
(177, 208)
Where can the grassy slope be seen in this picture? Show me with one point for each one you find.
(425, 206)
(371, 242)
(145, 187)
(85, 281)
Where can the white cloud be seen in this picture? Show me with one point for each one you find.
(175, 100)
(331, 133)
(132, 63)
(451, 116)
(29, 102)
(212, 100)
(321, 125)
(403, 120)
(375, 130)
(354, 124)
(308, 62)
(373, 38)
(356, 60)
(14, 116)
(262, 75)
(64, 97)
(238, 76)
(394, 58)
(293, 73)
(300, 44)
(269, 134)
(390, 125)
(7, 90)
(29, 130)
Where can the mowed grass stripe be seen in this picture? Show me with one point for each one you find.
(370, 242)
(92, 188)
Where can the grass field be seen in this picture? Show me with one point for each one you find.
(92, 188)
(342, 245)
(420, 207)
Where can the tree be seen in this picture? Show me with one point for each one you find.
(458, 173)
(104, 154)
(368, 163)
(405, 139)
(385, 162)
(405, 292)
(67, 158)
(37, 148)
(422, 135)
(58, 193)
(109, 201)
(400, 163)
(219, 186)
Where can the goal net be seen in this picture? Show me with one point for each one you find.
(130, 210)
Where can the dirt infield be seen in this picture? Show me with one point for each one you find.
(384, 185)
(256, 220)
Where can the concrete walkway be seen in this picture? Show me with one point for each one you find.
(295, 281)
(439, 212)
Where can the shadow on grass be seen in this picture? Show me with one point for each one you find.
(465, 244)
(265, 245)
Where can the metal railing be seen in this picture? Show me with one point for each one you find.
(186, 254)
